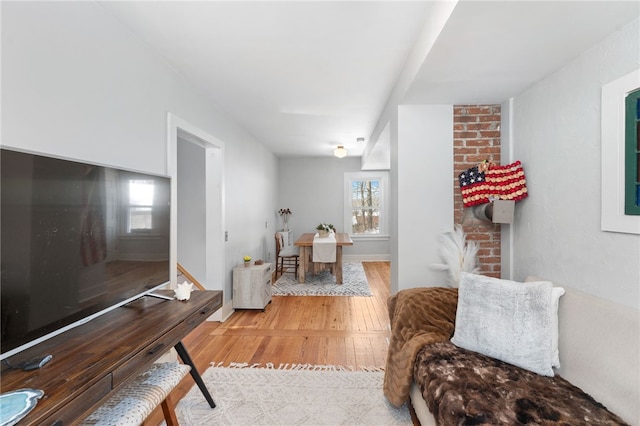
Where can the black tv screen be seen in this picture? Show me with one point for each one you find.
(77, 240)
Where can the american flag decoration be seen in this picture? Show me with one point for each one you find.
(486, 182)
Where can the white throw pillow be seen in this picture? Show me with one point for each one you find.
(506, 320)
(556, 293)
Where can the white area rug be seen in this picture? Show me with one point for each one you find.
(291, 395)
(324, 284)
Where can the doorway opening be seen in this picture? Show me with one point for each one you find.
(196, 168)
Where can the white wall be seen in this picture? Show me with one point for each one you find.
(423, 163)
(192, 208)
(506, 156)
(78, 84)
(313, 189)
(556, 134)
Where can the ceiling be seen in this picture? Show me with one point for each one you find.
(303, 77)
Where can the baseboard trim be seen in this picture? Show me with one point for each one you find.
(222, 314)
(366, 258)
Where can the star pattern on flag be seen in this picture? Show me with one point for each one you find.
(471, 176)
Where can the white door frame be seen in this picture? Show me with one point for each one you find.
(214, 203)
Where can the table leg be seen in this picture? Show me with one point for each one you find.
(303, 264)
(339, 265)
(184, 356)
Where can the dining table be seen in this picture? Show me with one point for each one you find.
(305, 243)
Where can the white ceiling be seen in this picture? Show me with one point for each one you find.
(304, 77)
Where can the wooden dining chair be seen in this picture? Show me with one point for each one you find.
(287, 257)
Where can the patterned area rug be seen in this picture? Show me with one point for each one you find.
(324, 284)
(291, 395)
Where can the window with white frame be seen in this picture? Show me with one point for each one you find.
(614, 94)
(632, 154)
(365, 213)
(139, 205)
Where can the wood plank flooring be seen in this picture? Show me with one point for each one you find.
(318, 330)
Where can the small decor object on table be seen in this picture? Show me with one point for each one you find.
(285, 218)
(247, 261)
(324, 229)
(183, 291)
(16, 404)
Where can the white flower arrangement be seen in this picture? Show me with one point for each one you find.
(325, 227)
(457, 254)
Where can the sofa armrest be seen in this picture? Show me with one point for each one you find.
(418, 316)
(599, 343)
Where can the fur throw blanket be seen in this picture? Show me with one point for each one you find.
(419, 316)
(465, 387)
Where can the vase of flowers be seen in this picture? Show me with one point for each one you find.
(247, 261)
(324, 229)
(284, 213)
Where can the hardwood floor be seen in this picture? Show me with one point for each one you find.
(318, 330)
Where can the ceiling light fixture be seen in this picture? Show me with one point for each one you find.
(340, 152)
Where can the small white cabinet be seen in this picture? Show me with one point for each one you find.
(252, 286)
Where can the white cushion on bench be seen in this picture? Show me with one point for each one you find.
(133, 403)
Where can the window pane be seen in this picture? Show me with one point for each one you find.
(365, 204)
(632, 153)
(365, 193)
(366, 221)
(141, 192)
(140, 218)
(638, 149)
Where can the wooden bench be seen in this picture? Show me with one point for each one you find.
(134, 402)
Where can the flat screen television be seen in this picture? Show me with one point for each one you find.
(77, 240)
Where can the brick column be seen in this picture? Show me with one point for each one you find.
(476, 137)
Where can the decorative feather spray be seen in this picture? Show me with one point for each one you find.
(457, 255)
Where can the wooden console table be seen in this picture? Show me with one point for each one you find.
(95, 359)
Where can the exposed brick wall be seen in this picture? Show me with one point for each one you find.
(476, 137)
